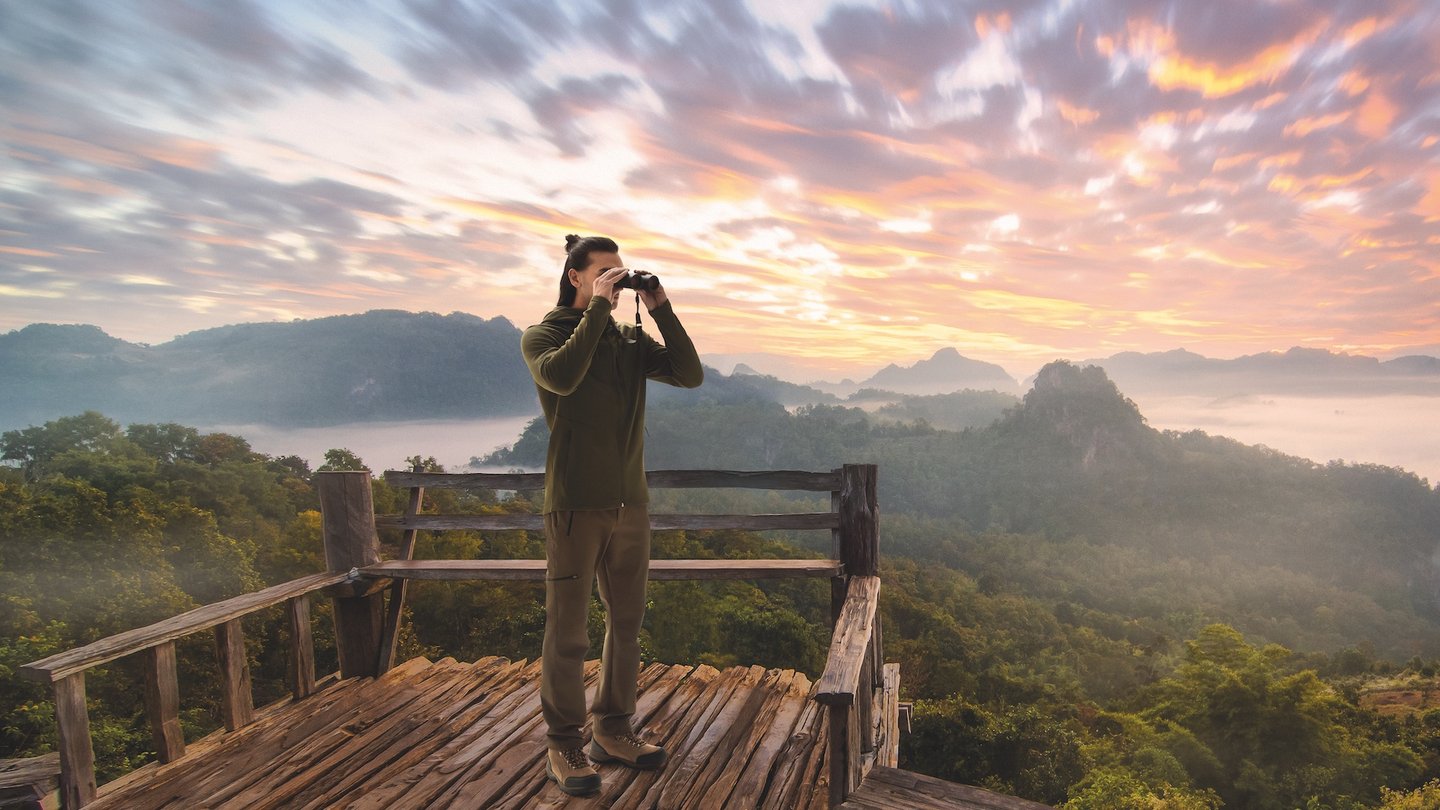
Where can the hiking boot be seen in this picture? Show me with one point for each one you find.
(626, 749)
(571, 771)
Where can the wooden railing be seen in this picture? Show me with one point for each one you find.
(367, 623)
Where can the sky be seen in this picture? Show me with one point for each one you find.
(839, 185)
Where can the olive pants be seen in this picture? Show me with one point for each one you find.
(613, 546)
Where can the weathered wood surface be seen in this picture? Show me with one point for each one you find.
(450, 734)
(534, 570)
(850, 644)
(24, 782)
(237, 701)
(660, 479)
(301, 672)
(860, 520)
(893, 789)
(108, 649)
(162, 702)
(347, 527)
(659, 523)
(395, 607)
(77, 754)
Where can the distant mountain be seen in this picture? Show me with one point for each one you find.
(786, 393)
(944, 372)
(382, 365)
(1299, 371)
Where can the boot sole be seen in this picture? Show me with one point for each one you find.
(598, 754)
(572, 791)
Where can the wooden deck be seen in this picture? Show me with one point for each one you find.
(450, 734)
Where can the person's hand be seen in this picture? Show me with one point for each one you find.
(604, 286)
(654, 298)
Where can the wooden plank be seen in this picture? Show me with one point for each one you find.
(62, 665)
(669, 725)
(684, 777)
(532, 789)
(816, 793)
(162, 702)
(659, 523)
(237, 701)
(660, 479)
(407, 717)
(850, 643)
(471, 750)
(889, 743)
(534, 570)
(258, 763)
(892, 787)
(156, 785)
(24, 783)
(793, 758)
(301, 672)
(865, 702)
(777, 730)
(717, 780)
(77, 755)
(287, 758)
(29, 770)
(487, 768)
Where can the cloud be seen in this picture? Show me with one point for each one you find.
(455, 44)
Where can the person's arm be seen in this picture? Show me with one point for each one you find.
(560, 367)
(676, 362)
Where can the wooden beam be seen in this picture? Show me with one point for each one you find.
(237, 701)
(70, 662)
(849, 646)
(534, 570)
(77, 755)
(302, 648)
(659, 523)
(162, 702)
(659, 479)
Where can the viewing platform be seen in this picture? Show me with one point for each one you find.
(423, 734)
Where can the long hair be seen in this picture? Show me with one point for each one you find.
(577, 257)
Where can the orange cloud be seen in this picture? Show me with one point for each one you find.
(1170, 69)
(1076, 115)
(1304, 126)
(1376, 115)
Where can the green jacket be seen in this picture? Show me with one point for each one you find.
(592, 389)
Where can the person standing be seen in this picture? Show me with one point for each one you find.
(590, 374)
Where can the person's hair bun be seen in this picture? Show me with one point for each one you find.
(570, 241)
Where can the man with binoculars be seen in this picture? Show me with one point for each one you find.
(590, 373)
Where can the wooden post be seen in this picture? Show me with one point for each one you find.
(840, 753)
(390, 634)
(302, 648)
(162, 702)
(348, 525)
(237, 701)
(859, 521)
(77, 755)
